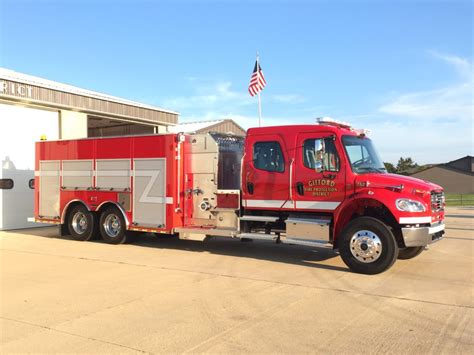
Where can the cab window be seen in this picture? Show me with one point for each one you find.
(268, 156)
(330, 157)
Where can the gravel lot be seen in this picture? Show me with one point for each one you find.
(166, 295)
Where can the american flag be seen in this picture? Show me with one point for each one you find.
(257, 80)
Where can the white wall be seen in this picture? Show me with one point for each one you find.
(17, 204)
(73, 125)
(20, 128)
(162, 129)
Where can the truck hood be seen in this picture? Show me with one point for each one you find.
(395, 180)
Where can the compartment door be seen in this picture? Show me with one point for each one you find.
(49, 189)
(149, 192)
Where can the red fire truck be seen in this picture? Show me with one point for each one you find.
(320, 185)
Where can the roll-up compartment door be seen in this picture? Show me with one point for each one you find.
(149, 192)
(49, 189)
(77, 174)
(113, 174)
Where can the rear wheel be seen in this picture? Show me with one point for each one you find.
(367, 246)
(81, 223)
(409, 253)
(112, 226)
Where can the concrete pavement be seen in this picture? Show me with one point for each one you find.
(166, 295)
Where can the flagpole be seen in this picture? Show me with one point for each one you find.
(259, 111)
(259, 100)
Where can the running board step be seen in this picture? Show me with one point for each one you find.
(260, 236)
(309, 243)
(259, 218)
(283, 240)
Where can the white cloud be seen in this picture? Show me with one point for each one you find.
(432, 126)
(461, 65)
(211, 100)
(208, 96)
(424, 141)
(453, 102)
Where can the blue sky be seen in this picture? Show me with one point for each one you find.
(400, 68)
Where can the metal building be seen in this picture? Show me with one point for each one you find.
(456, 177)
(33, 107)
(216, 126)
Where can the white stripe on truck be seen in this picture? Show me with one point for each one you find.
(303, 205)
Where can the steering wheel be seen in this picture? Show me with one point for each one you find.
(362, 161)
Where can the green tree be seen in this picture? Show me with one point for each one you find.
(390, 168)
(405, 164)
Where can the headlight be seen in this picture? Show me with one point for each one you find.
(407, 205)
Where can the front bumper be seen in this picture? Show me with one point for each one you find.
(422, 236)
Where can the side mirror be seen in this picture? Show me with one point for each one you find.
(318, 155)
(318, 145)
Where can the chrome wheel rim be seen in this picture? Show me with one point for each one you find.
(366, 246)
(79, 223)
(112, 225)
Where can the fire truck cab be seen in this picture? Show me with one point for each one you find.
(321, 185)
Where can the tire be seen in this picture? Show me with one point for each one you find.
(409, 253)
(112, 226)
(367, 246)
(81, 223)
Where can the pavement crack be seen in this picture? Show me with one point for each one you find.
(74, 334)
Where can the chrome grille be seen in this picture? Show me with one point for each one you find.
(437, 201)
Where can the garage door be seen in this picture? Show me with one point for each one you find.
(21, 127)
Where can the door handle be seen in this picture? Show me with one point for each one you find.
(329, 176)
(300, 188)
(250, 187)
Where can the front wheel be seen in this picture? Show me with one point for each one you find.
(409, 253)
(367, 246)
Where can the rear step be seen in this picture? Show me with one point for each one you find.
(259, 218)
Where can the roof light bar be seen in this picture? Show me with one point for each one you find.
(328, 121)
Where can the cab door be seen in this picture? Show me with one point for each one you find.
(318, 190)
(266, 173)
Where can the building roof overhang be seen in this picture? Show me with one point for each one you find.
(31, 89)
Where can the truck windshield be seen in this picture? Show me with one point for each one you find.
(362, 155)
